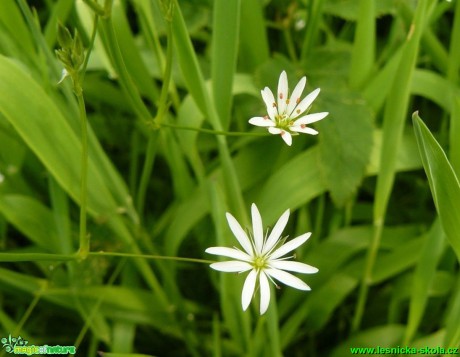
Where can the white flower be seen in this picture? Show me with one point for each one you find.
(263, 257)
(285, 115)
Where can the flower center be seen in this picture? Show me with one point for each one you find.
(259, 263)
(283, 121)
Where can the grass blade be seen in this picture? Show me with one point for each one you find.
(444, 185)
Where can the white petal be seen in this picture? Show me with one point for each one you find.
(295, 96)
(248, 289)
(257, 228)
(305, 130)
(274, 130)
(276, 232)
(287, 278)
(291, 245)
(264, 293)
(310, 118)
(240, 234)
(270, 103)
(232, 266)
(261, 121)
(229, 252)
(305, 103)
(286, 137)
(282, 92)
(293, 266)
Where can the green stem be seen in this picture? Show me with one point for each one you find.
(210, 131)
(151, 257)
(91, 44)
(29, 310)
(153, 137)
(97, 305)
(84, 237)
(290, 44)
(129, 88)
(98, 9)
(146, 172)
(313, 19)
(36, 257)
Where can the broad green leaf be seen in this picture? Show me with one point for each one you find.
(345, 143)
(444, 184)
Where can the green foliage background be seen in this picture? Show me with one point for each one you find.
(375, 187)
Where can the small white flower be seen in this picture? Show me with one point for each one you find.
(263, 257)
(285, 115)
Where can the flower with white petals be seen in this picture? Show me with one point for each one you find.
(263, 257)
(285, 115)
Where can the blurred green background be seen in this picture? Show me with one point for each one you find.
(377, 189)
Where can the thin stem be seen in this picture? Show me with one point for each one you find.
(29, 310)
(90, 48)
(98, 9)
(151, 257)
(84, 237)
(97, 305)
(146, 171)
(36, 257)
(211, 131)
(153, 137)
(290, 44)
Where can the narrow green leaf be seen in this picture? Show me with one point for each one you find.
(452, 336)
(395, 113)
(363, 54)
(254, 49)
(40, 120)
(454, 136)
(444, 184)
(224, 54)
(434, 87)
(423, 279)
(33, 219)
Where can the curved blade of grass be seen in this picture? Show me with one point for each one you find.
(444, 184)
